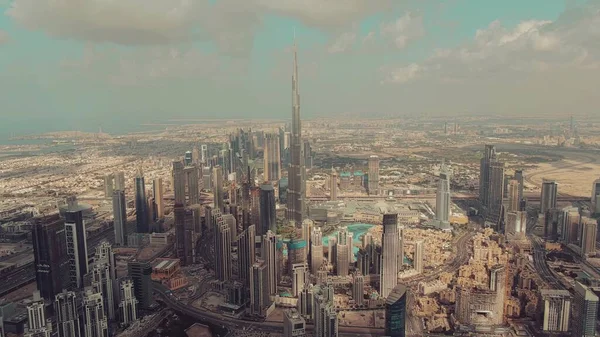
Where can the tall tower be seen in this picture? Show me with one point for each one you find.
(556, 310)
(333, 185)
(120, 181)
(157, 190)
(267, 214)
(548, 196)
(218, 187)
(395, 311)
(141, 204)
(66, 312)
(222, 248)
(191, 177)
(484, 173)
(373, 186)
(246, 253)
(589, 229)
(296, 172)
(495, 191)
(585, 311)
(514, 202)
(109, 185)
(389, 257)
(76, 247)
(418, 260)
(520, 179)
(128, 306)
(102, 282)
(342, 258)
(38, 326)
(141, 275)
(95, 323)
(596, 196)
(120, 217)
(178, 182)
(272, 157)
(269, 255)
(50, 257)
(316, 250)
(442, 200)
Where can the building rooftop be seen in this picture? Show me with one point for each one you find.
(397, 293)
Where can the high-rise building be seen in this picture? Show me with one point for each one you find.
(271, 258)
(272, 157)
(589, 230)
(296, 193)
(50, 256)
(514, 201)
(184, 234)
(299, 277)
(333, 185)
(218, 187)
(141, 205)
(222, 247)
(246, 253)
(259, 294)
(102, 282)
(548, 196)
(555, 310)
(484, 174)
(308, 156)
(342, 263)
(293, 324)
(66, 312)
(442, 200)
(76, 246)
(179, 182)
(316, 250)
(395, 311)
(498, 285)
(332, 250)
(585, 311)
(120, 217)
(158, 194)
(128, 307)
(120, 181)
(596, 196)
(373, 186)
(418, 260)
(520, 179)
(570, 221)
(195, 155)
(141, 275)
(358, 288)
(389, 258)
(109, 185)
(516, 223)
(204, 153)
(37, 325)
(95, 323)
(496, 192)
(267, 215)
(191, 178)
(324, 314)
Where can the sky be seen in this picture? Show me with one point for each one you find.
(84, 64)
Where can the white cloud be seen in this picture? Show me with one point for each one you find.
(402, 74)
(342, 43)
(403, 30)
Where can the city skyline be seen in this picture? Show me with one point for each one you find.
(394, 51)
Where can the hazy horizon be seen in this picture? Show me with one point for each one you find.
(83, 67)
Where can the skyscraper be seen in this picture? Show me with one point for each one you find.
(141, 205)
(373, 186)
(102, 282)
(548, 196)
(296, 192)
(76, 246)
(519, 178)
(269, 255)
(120, 181)
(325, 316)
(128, 305)
(442, 200)
(204, 153)
(589, 229)
(316, 250)
(395, 312)
(333, 185)
(259, 295)
(389, 258)
(222, 248)
(358, 288)
(596, 196)
(585, 311)
(484, 173)
(37, 326)
(308, 157)
(67, 314)
(342, 263)
(218, 187)
(50, 256)
(141, 275)
(246, 253)
(95, 323)
(178, 182)
(555, 310)
(109, 185)
(293, 324)
(272, 157)
(496, 192)
(514, 201)
(267, 215)
(418, 260)
(299, 277)
(120, 217)
(191, 178)
(158, 194)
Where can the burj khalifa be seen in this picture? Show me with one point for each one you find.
(296, 173)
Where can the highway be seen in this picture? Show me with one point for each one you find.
(539, 252)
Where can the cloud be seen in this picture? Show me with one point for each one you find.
(342, 43)
(3, 37)
(531, 46)
(230, 24)
(403, 30)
